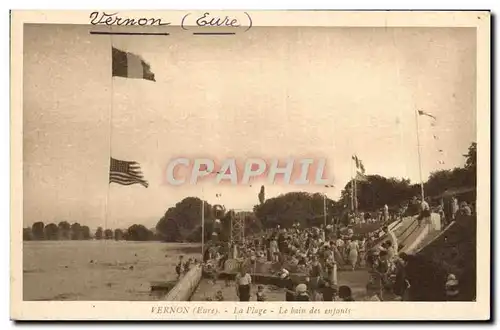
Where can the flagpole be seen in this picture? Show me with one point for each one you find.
(202, 227)
(355, 194)
(419, 158)
(106, 209)
(352, 188)
(324, 210)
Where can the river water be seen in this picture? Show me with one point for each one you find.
(99, 270)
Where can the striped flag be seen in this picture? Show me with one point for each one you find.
(126, 173)
(356, 160)
(361, 167)
(128, 65)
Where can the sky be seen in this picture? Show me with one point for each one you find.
(273, 92)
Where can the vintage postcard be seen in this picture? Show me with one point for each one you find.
(250, 165)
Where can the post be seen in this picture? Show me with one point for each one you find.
(202, 229)
(355, 194)
(324, 211)
(334, 275)
(242, 222)
(352, 189)
(419, 157)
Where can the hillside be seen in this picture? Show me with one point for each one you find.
(452, 252)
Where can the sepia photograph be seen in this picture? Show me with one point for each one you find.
(215, 158)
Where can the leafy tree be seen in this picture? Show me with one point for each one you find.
(76, 231)
(108, 234)
(169, 230)
(471, 157)
(51, 232)
(262, 195)
(64, 230)
(38, 230)
(118, 234)
(85, 230)
(293, 207)
(187, 216)
(27, 235)
(99, 233)
(139, 233)
(253, 225)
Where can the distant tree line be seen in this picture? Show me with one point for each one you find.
(182, 222)
(64, 231)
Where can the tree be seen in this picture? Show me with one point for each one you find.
(76, 232)
(289, 208)
(139, 233)
(471, 164)
(471, 157)
(262, 195)
(64, 230)
(253, 225)
(187, 215)
(169, 230)
(108, 234)
(378, 191)
(85, 230)
(118, 234)
(38, 230)
(51, 232)
(98, 233)
(27, 235)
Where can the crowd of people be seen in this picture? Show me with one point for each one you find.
(317, 253)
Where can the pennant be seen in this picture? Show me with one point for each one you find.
(362, 167)
(128, 65)
(422, 113)
(356, 160)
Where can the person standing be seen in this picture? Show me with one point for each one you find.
(353, 250)
(243, 283)
(289, 286)
(425, 212)
(386, 213)
(315, 275)
(454, 208)
(273, 249)
(329, 292)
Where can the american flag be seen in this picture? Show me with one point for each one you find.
(126, 173)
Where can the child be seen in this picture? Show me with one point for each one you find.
(302, 294)
(345, 293)
(329, 292)
(260, 293)
(178, 267)
(187, 265)
(372, 292)
(219, 296)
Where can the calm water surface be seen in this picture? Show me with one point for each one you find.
(99, 270)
